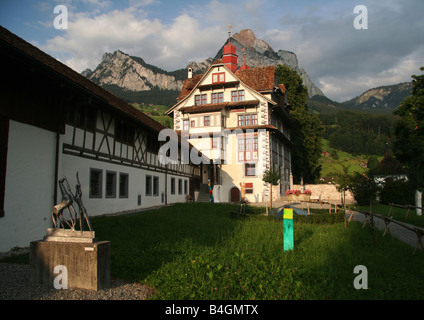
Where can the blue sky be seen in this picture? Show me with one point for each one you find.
(341, 60)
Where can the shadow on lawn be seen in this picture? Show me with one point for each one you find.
(142, 243)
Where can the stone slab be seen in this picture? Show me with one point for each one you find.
(67, 235)
(87, 264)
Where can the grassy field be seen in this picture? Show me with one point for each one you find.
(200, 251)
(338, 160)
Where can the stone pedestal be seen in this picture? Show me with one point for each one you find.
(87, 264)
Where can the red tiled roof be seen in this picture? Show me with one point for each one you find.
(259, 79)
(64, 72)
(188, 85)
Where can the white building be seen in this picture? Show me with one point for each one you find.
(238, 119)
(55, 123)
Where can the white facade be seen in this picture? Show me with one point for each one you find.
(29, 185)
(235, 127)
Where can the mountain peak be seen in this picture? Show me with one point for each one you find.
(247, 38)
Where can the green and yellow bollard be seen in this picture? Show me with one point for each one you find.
(288, 229)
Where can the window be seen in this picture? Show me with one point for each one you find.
(83, 117)
(172, 185)
(249, 169)
(240, 120)
(217, 97)
(237, 95)
(200, 99)
(248, 187)
(152, 144)
(247, 147)
(247, 119)
(110, 184)
(185, 187)
(185, 125)
(218, 77)
(192, 123)
(156, 186)
(148, 185)
(96, 183)
(123, 185)
(124, 132)
(180, 186)
(206, 121)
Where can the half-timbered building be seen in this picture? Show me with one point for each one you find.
(238, 118)
(55, 123)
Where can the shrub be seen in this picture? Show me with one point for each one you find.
(398, 191)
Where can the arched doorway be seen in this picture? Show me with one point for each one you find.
(235, 194)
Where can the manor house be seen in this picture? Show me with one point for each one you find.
(238, 118)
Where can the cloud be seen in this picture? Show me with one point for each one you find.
(341, 60)
(344, 61)
(169, 46)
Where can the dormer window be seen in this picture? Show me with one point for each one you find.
(218, 77)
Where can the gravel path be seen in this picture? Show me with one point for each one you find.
(15, 284)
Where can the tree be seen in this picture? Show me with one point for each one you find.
(409, 143)
(272, 177)
(307, 130)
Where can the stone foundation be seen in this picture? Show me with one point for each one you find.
(87, 264)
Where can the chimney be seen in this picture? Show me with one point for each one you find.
(245, 66)
(190, 73)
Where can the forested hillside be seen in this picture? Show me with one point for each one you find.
(358, 133)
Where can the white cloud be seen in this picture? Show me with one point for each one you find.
(342, 61)
(168, 46)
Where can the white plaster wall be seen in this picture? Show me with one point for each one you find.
(136, 186)
(29, 185)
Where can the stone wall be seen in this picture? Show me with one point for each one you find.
(325, 192)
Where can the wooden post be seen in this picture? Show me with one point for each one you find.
(344, 202)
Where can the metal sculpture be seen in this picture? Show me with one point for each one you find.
(67, 203)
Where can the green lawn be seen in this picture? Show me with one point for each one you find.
(201, 251)
(197, 251)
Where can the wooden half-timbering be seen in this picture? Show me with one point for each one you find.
(99, 134)
(55, 123)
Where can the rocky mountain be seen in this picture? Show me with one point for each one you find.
(259, 53)
(132, 78)
(384, 99)
(132, 73)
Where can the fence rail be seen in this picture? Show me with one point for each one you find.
(419, 232)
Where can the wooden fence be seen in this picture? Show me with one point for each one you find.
(419, 232)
